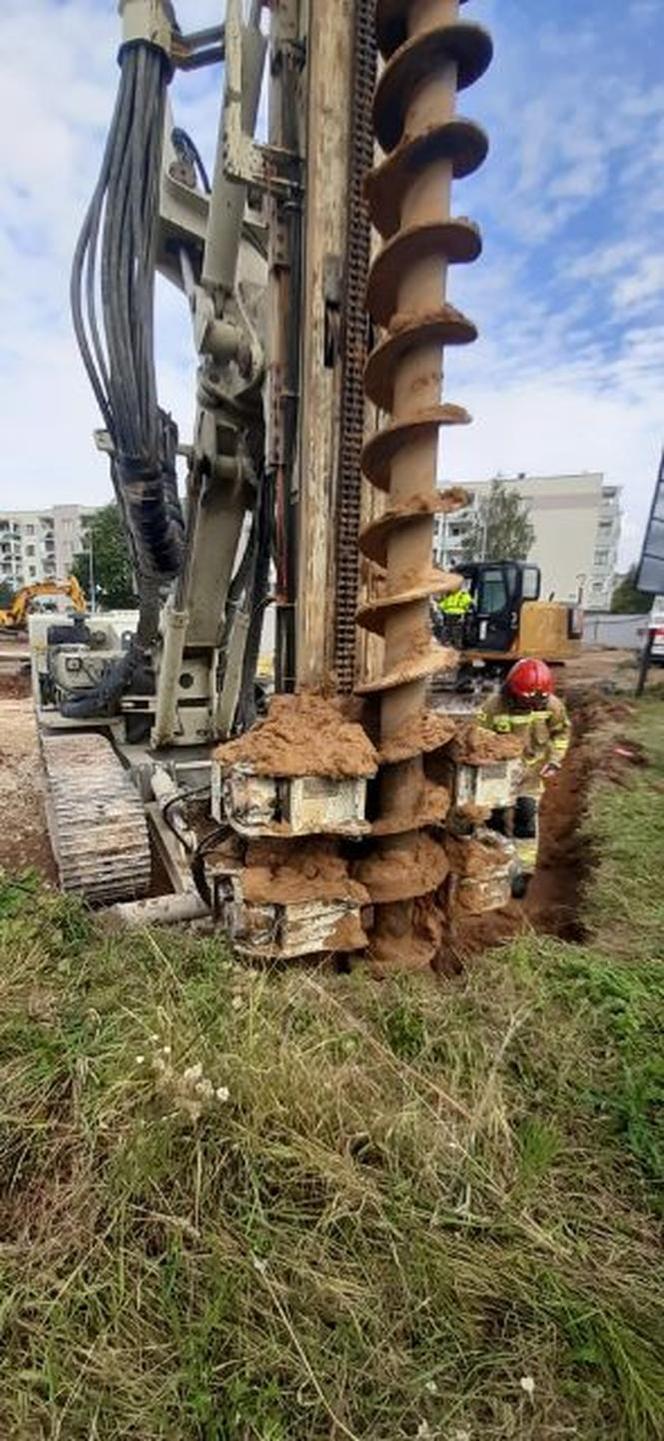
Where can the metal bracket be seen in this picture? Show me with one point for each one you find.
(265, 166)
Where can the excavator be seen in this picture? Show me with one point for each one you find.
(313, 257)
(14, 618)
(506, 620)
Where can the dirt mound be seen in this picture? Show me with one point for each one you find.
(552, 904)
(303, 735)
(14, 686)
(475, 744)
(471, 935)
(24, 843)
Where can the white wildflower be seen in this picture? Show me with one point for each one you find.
(140, 1060)
(461, 1436)
(222, 1093)
(236, 1002)
(431, 1387)
(166, 1050)
(193, 1073)
(527, 1384)
(423, 1430)
(259, 1265)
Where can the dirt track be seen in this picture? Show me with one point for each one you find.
(23, 836)
(617, 668)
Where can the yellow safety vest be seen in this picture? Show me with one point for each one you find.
(459, 602)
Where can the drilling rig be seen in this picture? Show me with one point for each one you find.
(314, 263)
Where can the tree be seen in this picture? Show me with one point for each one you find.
(627, 600)
(106, 559)
(500, 527)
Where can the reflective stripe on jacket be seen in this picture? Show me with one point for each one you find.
(546, 734)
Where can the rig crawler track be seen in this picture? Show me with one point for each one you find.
(95, 819)
(429, 54)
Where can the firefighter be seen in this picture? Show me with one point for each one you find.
(526, 706)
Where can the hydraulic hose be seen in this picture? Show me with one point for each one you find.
(112, 298)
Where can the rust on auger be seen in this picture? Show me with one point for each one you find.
(429, 54)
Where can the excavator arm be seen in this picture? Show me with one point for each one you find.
(15, 616)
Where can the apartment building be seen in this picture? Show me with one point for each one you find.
(577, 520)
(40, 544)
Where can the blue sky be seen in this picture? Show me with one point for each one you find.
(568, 296)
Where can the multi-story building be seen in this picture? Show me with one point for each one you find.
(577, 522)
(40, 544)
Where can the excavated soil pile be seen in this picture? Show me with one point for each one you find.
(474, 744)
(308, 870)
(14, 686)
(303, 735)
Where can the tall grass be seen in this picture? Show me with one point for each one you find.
(300, 1206)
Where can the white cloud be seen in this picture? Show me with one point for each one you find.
(645, 283)
(58, 77)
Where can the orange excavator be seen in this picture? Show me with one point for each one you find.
(15, 617)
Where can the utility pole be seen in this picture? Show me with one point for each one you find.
(91, 563)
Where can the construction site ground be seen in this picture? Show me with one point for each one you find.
(239, 1204)
(24, 843)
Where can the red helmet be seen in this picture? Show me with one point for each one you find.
(529, 678)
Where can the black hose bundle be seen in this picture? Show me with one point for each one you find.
(115, 261)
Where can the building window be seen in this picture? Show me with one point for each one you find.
(29, 550)
(601, 557)
(29, 530)
(32, 571)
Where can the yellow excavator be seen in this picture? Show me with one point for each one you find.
(14, 618)
(506, 619)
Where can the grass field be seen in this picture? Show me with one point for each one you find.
(248, 1206)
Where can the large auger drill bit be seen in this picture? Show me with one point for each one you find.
(429, 54)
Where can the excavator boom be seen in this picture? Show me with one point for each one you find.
(14, 617)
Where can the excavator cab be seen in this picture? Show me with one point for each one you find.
(499, 589)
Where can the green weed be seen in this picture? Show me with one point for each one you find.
(238, 1206)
